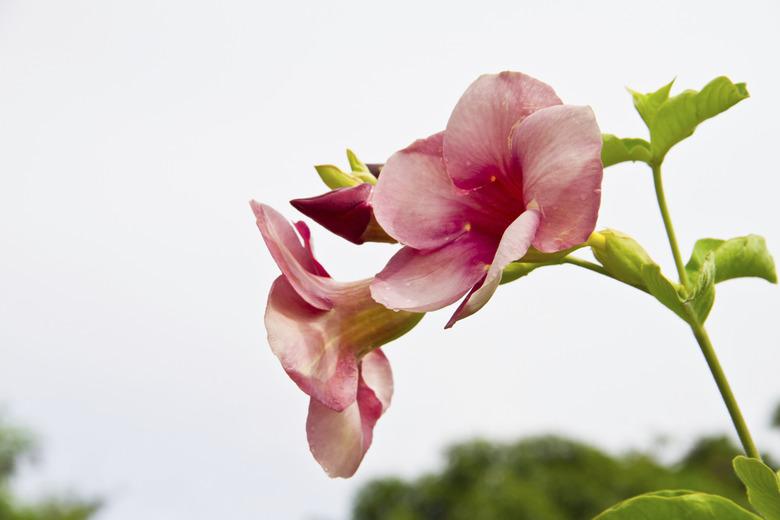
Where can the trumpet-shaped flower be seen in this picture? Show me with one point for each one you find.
(514, 169)
(326, 335)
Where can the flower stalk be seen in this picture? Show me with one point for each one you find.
(661, 197)
(723, 385)
(699, 332)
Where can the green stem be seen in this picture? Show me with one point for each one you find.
(699, 332)
(723, 383)
(659, 193)
(596, 268)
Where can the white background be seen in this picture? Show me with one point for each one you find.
(133, 279)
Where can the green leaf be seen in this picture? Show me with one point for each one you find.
(616, 150)
(334, 178)
(517, 270)
(736, 258)
(703, 294)
(648, 104)
(678, 117)
(664, 290)
(677, 505)
(763, 486)
(672, 119)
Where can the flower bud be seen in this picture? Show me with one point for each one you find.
(345, 212)
(621, 255)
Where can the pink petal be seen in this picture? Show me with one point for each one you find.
(514, 244)
(303, 230)
(339, 440)
(476, 139)
(414, 200)
(335, 438)
(345, 211)
(309, 350)
(416, 280)
(559, 149)
(319, 348)
(295, 262)
(376, 374)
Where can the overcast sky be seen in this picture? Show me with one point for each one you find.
(133, 278)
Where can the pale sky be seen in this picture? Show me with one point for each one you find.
(133, 278)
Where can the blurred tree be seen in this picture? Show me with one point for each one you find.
(543, 478)
(15, 445)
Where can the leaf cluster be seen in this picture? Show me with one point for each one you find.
(543, 478)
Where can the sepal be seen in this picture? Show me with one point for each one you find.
(335, 178)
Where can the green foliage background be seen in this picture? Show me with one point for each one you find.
(15, 445)
(544, 478)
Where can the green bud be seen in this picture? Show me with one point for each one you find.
(621, 256)
(334, 178)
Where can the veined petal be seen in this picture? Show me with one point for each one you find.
(514, 244)
(415, 201)
(319, 349)
(306, 341)
(339, 440)
(345, 212)
(292, 257)
(559, 150)
(476, 141)
(416, 280)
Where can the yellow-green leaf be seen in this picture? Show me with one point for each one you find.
(703, 294)
(648, 104)
(616, 150)
(763, 486)
(677, 505)
(672, 119)
(738, 257)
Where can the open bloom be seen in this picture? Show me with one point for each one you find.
(514, 168)
(325, 334)
(346, 212)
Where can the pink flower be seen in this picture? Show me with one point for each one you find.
(346, 212)
(514, 168)
(326, 335)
